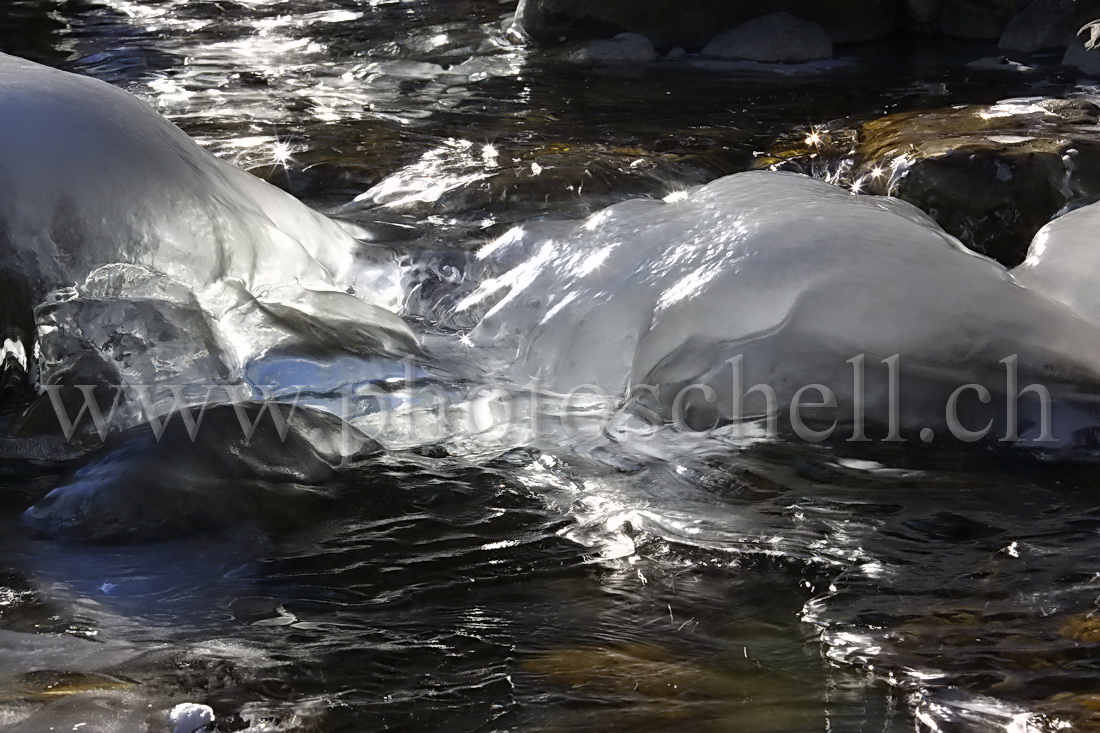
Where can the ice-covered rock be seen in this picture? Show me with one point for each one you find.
(189, 717)
(161, 260)
(772, 38)
(206, 470)
(795, 275)
(93, 176)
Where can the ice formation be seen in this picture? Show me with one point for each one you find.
(791, 273)
(121, 222)
(1063, 261)
(189, 717)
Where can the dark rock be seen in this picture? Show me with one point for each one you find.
(771, 38)
(1042, 24)
(1084, 50)
(976, 18)
(990, 175)
(692, 23)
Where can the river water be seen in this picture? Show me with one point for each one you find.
(728, 586)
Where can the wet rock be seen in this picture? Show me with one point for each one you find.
(775, 37)
(231, 465)
(625, 48)
(990, 175)
(1084, 50)
(976, 18)
(1042, 24)
(642, 669)
(692, 23)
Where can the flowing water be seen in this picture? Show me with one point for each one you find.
(598, 583)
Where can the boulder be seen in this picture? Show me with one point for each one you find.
(991, 175)
(691, 23)
(775, 37)
(976, 18)
(1042, 24)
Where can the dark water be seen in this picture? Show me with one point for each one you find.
(759, 588)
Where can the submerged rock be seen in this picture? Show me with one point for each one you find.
(625, 48)
(228, 465)
(512, 182)
(990, 175)
(794, 275)
(775, 37)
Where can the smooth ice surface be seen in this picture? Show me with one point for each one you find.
(1063, 261)
(795, 274)
(93, 176)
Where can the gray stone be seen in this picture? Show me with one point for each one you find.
(775, 37)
